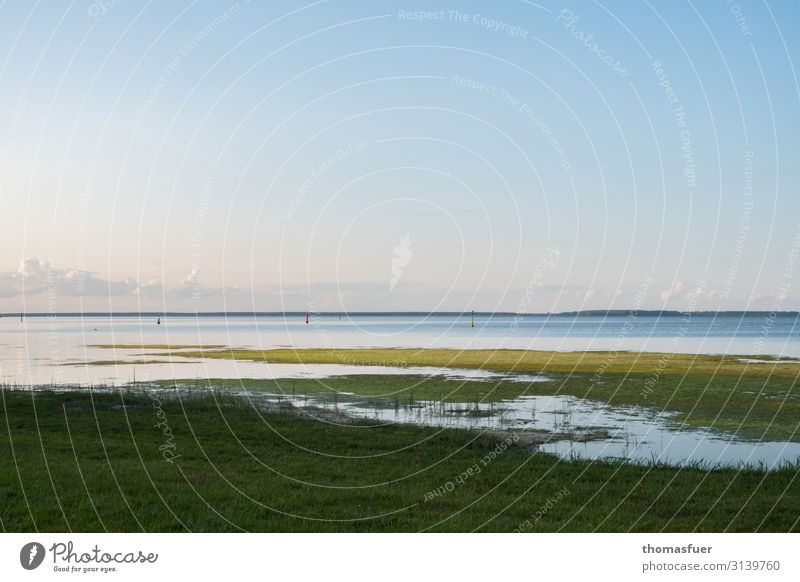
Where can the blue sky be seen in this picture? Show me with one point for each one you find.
(398, 156)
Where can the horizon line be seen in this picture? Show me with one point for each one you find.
(593, 312)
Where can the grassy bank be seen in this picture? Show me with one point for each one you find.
(753, 400)
(89, 462)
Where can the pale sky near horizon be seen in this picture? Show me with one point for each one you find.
(331, 155)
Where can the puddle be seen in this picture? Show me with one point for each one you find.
(583, 429)
(760, 361)
(152, 368)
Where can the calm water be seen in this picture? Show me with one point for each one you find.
(31, 350)
(634, 434)
(35, 350)
(45, 351)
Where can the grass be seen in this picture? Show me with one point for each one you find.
(519, 361)
(752, 400)
(94, 462)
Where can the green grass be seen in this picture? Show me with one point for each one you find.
(91, 462)
(758, 401)
(528, 361)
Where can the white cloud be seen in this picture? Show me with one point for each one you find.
(34, 277)
(151, 288)
(676, 289)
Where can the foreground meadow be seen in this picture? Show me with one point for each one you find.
(124, 461)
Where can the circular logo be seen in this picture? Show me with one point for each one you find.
(31, 555)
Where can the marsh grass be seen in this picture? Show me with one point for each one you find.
(759, 401)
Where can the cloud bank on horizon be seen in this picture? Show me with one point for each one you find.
(71, 290)
(525, 157)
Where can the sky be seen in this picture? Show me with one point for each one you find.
(362, 156)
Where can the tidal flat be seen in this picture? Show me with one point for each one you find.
(755, 400)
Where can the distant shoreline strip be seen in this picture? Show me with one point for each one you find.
(286, 314)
